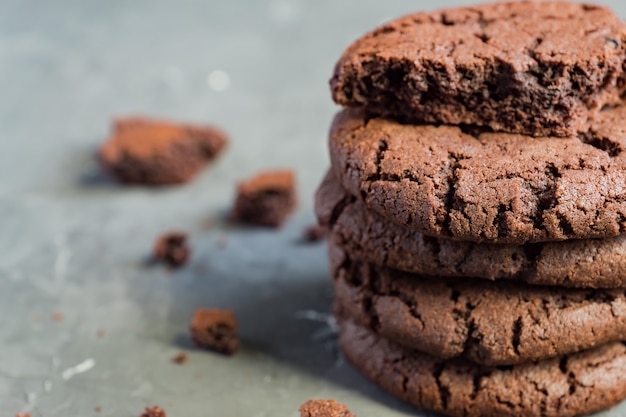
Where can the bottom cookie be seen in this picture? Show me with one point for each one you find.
(571, 385)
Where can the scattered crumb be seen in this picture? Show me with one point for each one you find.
(267, 199)
(153, 412)
(315, 233)
(172, 248)
(215, 330)
(156, 152)
(97, 409)
(100, 333)
(22, 415)
(324, 408)
(58, 317)
(180, 359)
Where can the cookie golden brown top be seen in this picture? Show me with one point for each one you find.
(537, 68)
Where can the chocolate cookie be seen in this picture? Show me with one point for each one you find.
(490, 323)
(367, 236)
(496, 187)
(568, 386)
(155, 152)
(537, 68)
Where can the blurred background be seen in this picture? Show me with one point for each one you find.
(85, 327)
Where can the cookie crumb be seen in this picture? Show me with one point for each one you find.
(22, 415)
(97, 409)
(153, 412)
(100, 333)
(324, 408)
(172, 248)
(180, 359)
(266, 199)
(315, 233)
(58, 317)
(215, 330)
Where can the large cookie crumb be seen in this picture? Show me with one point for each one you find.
(155, 152)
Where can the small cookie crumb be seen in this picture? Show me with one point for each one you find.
(180, 359)
(97, 409)
(267, 199)
(58, 317)
(315, 233)
(172, 248)
(324, 408)
(215, 330)
(22, 415)
(153, 412)
(100, 333)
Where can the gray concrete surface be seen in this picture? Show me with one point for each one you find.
(73, 243)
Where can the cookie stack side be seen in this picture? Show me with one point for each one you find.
(476, 204)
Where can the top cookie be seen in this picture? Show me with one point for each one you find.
(537, 68)
(486, 187)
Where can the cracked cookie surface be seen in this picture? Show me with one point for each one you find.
(567, 386)
(537, 68)
(490, 323)
(367, 236)
(486, 187)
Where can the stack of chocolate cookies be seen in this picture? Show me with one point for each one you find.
(477, 208)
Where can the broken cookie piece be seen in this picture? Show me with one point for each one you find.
(154, 152)
(215, 330)
(172, 248)
(324, 408)
(267, 199)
